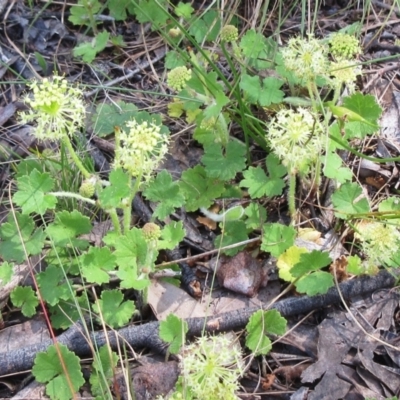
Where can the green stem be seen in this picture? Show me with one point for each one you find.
(115, 220)
(311, 93)
(74, 196)
(128, 208)
(89, 9)
(75, 158)
(291, 198)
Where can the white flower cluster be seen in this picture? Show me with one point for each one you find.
(212, 367)
(306, 58)
(345, 72)
(379, 242)
(344, 45)
(296, 138)
(57, 108)
(178, 77)
(141, 149)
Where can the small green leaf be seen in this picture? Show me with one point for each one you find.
(131, 249)
(19, 238)
(287, 260)
(318, 282)
(65, 313)
(79, 14)
(391, 207)
(334, 168)
(26, 299)
(348, 200)
(118, 41)
(277, 238)
(171, 235)
(224, 164)
(198, 189)
(184, 10)
(260, 324)
(360, 113)
(53, 286)
(88, 51)
(259, 184)
(154, 11)
(213, 133)
(165, 191)
(354, 265)
(256, 215)
(49, 368)
(215, 109)
(118, 8)
(108, 116)
(252, 43)
(130, 280)
(266, 93)
(233, 232)
(311, 262)
(66, 228)
(174, 59)
(31, 195)
(271, 93)
(113, 309)
(173, 331)
(364, 105)
(96, 263)
(200, 28)
(111, 196)
(251, 87)
(6, 273)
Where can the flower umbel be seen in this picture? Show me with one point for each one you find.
(151, 231)
(307, 58)
(379, 242)
(296, 138)
(344, 45)
(140, 150)
(212, 367)
(345, 72)
(178, 77)
(88, 187)
(57, 108)
(229, 33)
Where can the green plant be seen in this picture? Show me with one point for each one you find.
(211, 368)
(308, 125)
(85, 13)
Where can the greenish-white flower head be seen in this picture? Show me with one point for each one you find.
(344, 45)
(212, 367)
(307, 58)
(379, 242)
(178, 77)
(88, 187)
(175, 33)
(345, 72)
(151, 232)
(56, 107)
(141, 149)
(229, 33)
(296, 137)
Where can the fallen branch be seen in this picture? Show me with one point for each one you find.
(146, 335)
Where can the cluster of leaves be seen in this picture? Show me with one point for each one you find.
(156, 12)
(211, 102)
